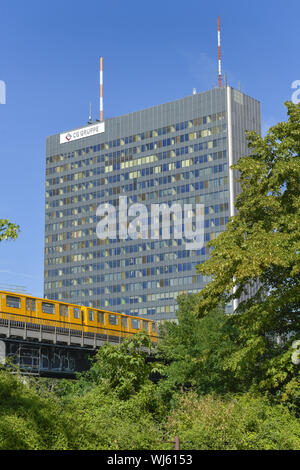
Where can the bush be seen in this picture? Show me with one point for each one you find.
(28, 421)
(237, 423)
(104, 421)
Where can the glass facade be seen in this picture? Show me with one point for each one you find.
(172, 153)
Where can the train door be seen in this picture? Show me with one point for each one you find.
(83, 319)
(64, 315)
(100, 321)
(77, 318)
(146, 326)
(31, 308)
(91, 319)
(154, 332)
(124, 325)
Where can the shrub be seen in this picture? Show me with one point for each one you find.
(237, 423)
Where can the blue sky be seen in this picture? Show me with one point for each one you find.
(153, 52)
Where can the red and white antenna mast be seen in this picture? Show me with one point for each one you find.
(219, 52)
(101, 89)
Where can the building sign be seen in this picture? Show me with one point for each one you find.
(81, 133)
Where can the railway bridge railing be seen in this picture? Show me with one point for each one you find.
(52, 346)
(58, 331)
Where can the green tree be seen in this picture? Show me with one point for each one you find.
(261, 245)
(8, 230)
(194, 351)
(124, 368)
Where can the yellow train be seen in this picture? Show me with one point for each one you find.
(34, 310)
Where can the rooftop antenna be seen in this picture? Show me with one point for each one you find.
(226, 79)
(219, 53)
(90, 115)
(101, 89)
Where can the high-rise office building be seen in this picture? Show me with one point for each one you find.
(177, 152)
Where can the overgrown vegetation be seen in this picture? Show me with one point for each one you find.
(218, 381)
(119, 408)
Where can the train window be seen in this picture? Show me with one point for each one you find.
(13, 302)
(33, 305)
(113, 320)
(27, 304)
(153, 326)
(48, 308)
(76, 313)
(124, 322)
(145, 325)
(135, 324)
(91, 315)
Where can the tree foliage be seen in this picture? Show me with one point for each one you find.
(195, 349)
(92, 414)
(124, 367)
(261, 246)
(8, 230)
